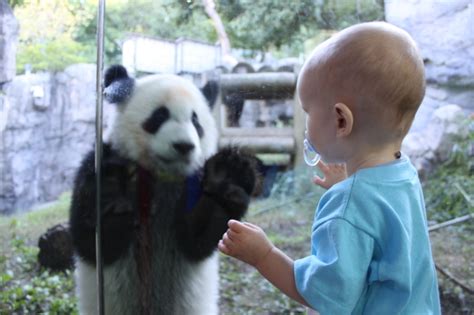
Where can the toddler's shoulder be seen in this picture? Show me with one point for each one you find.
(334, 201)
(350, 200)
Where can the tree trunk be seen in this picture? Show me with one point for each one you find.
(210, 8)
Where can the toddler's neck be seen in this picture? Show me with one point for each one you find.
(372, 158)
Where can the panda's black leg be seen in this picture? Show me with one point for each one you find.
(116, 205)
(229, 179)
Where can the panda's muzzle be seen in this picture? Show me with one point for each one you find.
(183, 148)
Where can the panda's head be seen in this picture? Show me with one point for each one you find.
(163, 122)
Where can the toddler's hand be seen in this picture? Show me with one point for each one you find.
(333, 173)
(246, 242)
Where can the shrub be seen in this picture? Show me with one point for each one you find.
(27, 289)
(449, 189)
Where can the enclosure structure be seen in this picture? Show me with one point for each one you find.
(155, 55)
(265, 140)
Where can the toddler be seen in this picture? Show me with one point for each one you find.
(370, 248)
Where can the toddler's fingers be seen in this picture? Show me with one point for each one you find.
(323, 166)
(227, 240)
(223, 248)
(233, 236)
(320, 182)
(252, 226)
(338, 167)
(236, 226)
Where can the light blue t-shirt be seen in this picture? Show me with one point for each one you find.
(371, 252)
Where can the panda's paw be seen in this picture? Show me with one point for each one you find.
(229, 178)
(116, 190)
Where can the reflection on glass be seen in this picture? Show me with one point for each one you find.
(253, 49)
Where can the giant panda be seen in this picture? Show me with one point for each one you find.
(166, 196)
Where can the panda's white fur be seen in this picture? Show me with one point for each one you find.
(195, 288)
(181, 97)
(200, 296)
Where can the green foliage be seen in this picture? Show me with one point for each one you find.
(258, 26)
(15, 3)
(54, 55)
(269, 23)
(29, 226)
(338, 14)
(449, 189)
(46, 29)
(276, 24)
(27, 289)
(164, 19)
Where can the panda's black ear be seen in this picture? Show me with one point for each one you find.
(210, 92)
(118, 85)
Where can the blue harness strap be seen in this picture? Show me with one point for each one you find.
(193, 190)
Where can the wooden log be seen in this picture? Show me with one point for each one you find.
(278, 159)
(261, 144)
(259, 85)
(256, 132)
(243, 67)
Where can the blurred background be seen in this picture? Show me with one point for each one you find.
(255, 49)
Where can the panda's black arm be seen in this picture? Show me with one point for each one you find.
(229, 179)
(200, 231)
(118, 216)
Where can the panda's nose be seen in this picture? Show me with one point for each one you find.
(183, 147)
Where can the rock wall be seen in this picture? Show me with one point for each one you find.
(444, 31)
(47, 124)
(8, 40)
(433, 144)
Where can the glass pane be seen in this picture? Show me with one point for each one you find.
(191, 79)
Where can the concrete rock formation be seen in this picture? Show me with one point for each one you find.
(8, 41)
(444, 31)
(46, 127)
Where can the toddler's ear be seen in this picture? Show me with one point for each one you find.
(344, 120)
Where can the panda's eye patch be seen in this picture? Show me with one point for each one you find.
(197, 125)
(156, 119)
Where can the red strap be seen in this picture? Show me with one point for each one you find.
(144, 194)
(144, 253)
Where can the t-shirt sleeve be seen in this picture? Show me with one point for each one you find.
(333, 278)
